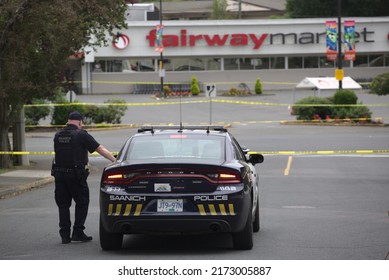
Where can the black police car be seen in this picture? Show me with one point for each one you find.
(180, 180)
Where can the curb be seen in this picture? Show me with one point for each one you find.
(16, 190)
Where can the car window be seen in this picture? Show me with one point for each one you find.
(238, 153)
(177, 146)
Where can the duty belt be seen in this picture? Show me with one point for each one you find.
(68, 169)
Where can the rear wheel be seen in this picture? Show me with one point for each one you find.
(243, 240)
(109, 240)
(257, 221)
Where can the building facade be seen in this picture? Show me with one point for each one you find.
(281, 52)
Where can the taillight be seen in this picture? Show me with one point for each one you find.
(118, 177)
(225, 177)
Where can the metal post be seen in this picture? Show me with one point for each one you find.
(161, 57)
(340, 39)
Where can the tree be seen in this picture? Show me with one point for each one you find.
(36, 39)
(219, 10)
(328, 8)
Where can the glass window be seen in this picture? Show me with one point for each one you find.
(361, 61)
(311, 62)
(295, 62)
(177, 146)
(376, 60)
(231, 63)
(277, 62)
(324, 63)
(99, 66)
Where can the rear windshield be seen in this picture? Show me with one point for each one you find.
(177, 146)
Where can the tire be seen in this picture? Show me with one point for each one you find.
(108, 240)
(243, 240)
(257, 220)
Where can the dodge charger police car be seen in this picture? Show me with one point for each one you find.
(180, 180)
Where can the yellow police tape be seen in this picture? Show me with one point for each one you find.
(319, 152)
(239, 102)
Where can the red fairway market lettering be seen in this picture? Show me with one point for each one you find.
(184, 40)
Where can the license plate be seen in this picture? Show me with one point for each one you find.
(170, 205)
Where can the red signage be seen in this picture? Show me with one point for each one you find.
(183, 40)
(120, 41)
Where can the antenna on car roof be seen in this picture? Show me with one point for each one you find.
(181, 111)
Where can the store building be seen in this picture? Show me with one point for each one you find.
(281, 52)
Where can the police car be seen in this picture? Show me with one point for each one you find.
(180, 180)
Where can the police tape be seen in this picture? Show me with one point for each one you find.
(239, 102)
(187, 82)
(318, 152)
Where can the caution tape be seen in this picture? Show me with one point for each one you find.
(323, 152)
(239, 102)
(318, 152)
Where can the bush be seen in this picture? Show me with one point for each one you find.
(194, 88)
(380, 84)
(356, 112)
(92, 114)
(109, 114)
(258, 86)
(305, 112)
(34, 114)
(345, 97)
(61, 111)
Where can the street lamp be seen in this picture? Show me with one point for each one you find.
(340, 42)
(161, 72)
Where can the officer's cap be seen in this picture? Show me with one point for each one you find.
(75, 116)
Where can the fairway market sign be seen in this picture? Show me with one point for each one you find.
(183, 39)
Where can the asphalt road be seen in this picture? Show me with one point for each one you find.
(313, 207)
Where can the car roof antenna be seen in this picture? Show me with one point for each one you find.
(181, 112)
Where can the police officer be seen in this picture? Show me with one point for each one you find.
(71, 146)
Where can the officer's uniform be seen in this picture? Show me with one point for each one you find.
(71, 146)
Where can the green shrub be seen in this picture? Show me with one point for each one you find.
(194, 88)
(258, 86)
(63, 108)
(109, 114)
(34, 114)
(307, 112)
(380, 84)
(345, 97)
(352, 112)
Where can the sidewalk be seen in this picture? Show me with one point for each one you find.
(16, 182)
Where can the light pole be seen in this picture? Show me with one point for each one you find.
(340, 42)
(161, 72)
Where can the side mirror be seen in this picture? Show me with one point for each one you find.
(256, 158)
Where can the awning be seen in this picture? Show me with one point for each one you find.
(327, 83)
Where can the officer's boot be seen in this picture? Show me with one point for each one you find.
(80, 236)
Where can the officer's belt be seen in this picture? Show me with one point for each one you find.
(67, 169)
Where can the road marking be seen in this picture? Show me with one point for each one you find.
(289, 164)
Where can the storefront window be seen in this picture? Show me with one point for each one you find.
(376, 60)
(138, 65)
(295, 62)
(231, 63)
(187, 64)
(277, 62)
(361, 61)
(311, 62)
(324, 63)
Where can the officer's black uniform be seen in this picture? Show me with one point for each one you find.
(71, 146)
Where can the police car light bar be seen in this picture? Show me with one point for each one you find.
(182, 127)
